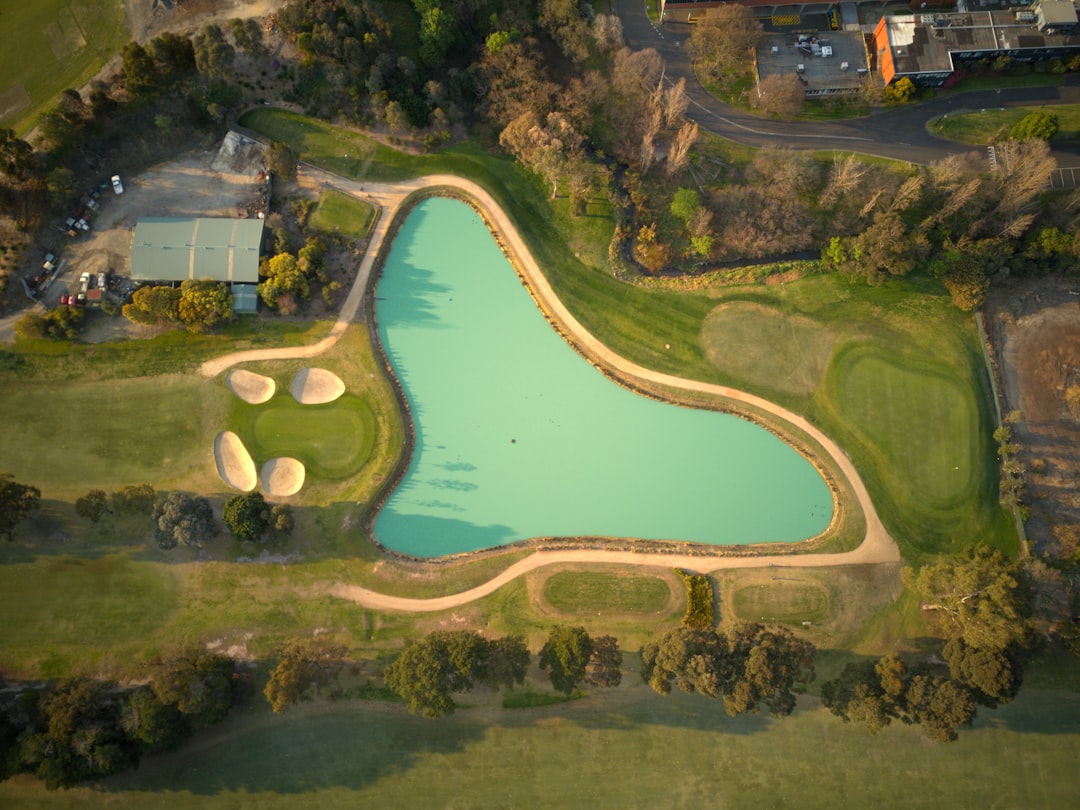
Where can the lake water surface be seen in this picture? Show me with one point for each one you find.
(517, 436)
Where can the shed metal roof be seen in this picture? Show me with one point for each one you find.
(182, 248)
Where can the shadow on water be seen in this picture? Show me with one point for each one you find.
(431, 536)
(411, 287)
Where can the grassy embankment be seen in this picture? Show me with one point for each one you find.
(993, 125)
(50, 45)
(338, 213)
(678, 751)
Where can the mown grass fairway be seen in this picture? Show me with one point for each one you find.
(341, 213)
(785, 603)
(50, 45)
(593, 591)
(624, 748)
(333, 440)
(991, 125)
(75, 436)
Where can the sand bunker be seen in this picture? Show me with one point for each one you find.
(314, 386)
(234, 463)
(282, 476)
(250, 387)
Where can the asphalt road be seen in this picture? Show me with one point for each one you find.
(898, 133)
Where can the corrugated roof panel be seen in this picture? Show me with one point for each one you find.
(181, 248)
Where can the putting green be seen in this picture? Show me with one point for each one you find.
(333, 440)
(917, 418)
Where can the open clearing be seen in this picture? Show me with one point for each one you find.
(50, 45)
(337, 213)
(993, 125)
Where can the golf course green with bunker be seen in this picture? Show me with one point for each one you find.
(333, 440)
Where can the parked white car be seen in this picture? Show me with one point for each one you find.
(117, 186)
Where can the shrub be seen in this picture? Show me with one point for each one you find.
(699, 600)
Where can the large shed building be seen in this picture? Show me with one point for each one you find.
(175, 249)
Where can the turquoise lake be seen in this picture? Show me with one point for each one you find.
(517, 436)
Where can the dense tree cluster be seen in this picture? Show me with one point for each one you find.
(247, 516)
(82, 729)
(197, 304)
(429, 671)
(748, 666)
(306, 667)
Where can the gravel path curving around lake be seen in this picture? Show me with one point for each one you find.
(316, 386)
(234, 462)
(251, 387)
(877, 546)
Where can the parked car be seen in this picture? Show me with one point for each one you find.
(84, 287)
(50, 262)
(117, 186)
(102, 280)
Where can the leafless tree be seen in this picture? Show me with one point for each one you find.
(908, 194)
(634, 72)
(778, 94)
(675, 102)
(844, 177)
(679, 151)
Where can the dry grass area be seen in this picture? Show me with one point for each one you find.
(1035, 332)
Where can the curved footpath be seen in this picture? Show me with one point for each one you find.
(877, 547)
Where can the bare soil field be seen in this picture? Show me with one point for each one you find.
(1034, 329)
(148, 18)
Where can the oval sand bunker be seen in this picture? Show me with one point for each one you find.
(282, 476)
(250, 387)
(315, 386)
(234, 463)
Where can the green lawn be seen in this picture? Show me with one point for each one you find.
(784, 603)
(341, 213)
(626, 748)
(50, 45)
(594, 591)
(992, 125)
(334, 440)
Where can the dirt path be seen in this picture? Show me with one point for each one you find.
(877, 547)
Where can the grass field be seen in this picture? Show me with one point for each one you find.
(50, 45)
(992, 125)
(334, 440)
(782, 603)
(341, 213)
(618, 748)
(594, 591)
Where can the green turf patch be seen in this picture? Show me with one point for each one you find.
(772, 349)
(918, 418)
(73, 436)
(992, 125)
(50, 45)
(334, 440)
(786, 603)
(594, 591)
(338, 213)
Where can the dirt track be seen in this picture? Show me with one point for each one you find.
(877, 547)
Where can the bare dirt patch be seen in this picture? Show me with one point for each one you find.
(251, 387)
(1034, 331)
(148, 18)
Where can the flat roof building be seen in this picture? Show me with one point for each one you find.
(827, 64)
(928, 47)
(174, 249)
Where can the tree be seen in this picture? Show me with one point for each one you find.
(604, 663)
(993, 675)
(140, 72)
(1038, 125)
(16, 502)
(134, 500)
(779, 94)
(82, 738)
(306, 667)
(199, 683)
(685, 203)
(284, 277)
(748, 666)
(16, 155)
(153, 304)
(247, 516)
(281, 160)
(204, 304)
(430, 670)
(213, 55)
(93, 505)
(566, 653)
(981, 595)
(967, 285)
(281, 518)
(723, 39)
(182, 519)
(900, 91)
(679, 151)
(154, 725)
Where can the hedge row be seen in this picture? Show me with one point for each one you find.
(699, 600)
